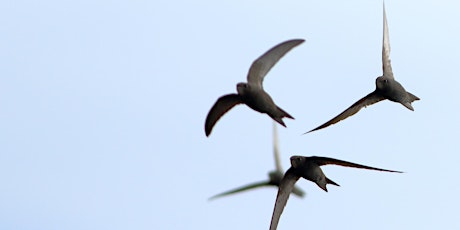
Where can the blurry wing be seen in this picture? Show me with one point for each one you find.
(326, 160)
(264, 63)
(363, 102)
(386, 63)
(240, 189)
(298, 192)
(276, 149)
(284, 190)
(222, 105)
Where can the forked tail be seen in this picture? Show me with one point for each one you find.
(412, 97)
(284, 113)
(329, 181)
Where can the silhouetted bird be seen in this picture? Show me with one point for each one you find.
(274, 176)
(386, 86)
(252, 93)
(308, 168)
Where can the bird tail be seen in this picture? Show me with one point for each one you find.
(412, 97)
(278, 117)
(284, 113)
(329, 181)
(279, 120)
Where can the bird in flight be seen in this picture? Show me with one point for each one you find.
(274, 176)
(386, 86)
(252, 93)
(308, 168)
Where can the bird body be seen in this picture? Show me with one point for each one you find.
(260, 101)
(392, 90)
(309, 169)
(386, 86)
(252, 93)
(274, 177)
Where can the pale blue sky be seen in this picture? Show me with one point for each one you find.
(103, 107)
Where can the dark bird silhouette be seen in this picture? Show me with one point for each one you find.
(274, 176)
(386, 86)
(252, 93)
(308, 168)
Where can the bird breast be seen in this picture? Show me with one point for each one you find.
(313, 173)
(259, 100)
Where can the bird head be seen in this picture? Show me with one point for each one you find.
(241, 88)
(382, 83)
(297, 161)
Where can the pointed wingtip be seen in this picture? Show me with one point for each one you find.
(207, 128)
(393, 171)
(300, 194)
(309, 131)
(383, 7)
(297, 40)
(207, 132)
(216, 196)
(384, 12)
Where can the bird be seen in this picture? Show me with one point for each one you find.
(252, 93)
(386, 86)
(274, 176)
(308, 168)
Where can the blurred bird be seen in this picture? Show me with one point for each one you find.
(252, 93)
(308, 168)
(274, 176)
(386, 86)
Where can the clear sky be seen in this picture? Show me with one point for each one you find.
(103, 106)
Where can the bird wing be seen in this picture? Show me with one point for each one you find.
(242, 188)
(262, 65)
(276, 149)
(284, 190)
(298, 192)
(386, 62)
(222, 105)
(326, 160)
(370, 99)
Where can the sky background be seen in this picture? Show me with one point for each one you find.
(103, 106)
